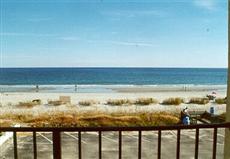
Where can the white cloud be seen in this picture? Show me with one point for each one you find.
(124, 43)
(134, 13)
(69, 38)
(206, 4)
(26, 34)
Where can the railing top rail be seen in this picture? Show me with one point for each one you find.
(152, 128)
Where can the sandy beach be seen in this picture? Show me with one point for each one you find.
(10, 99)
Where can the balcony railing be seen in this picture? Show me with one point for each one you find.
(56, 137)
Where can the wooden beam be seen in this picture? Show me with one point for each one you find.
(227, 130)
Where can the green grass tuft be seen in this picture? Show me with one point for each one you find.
(87, 103)
(145, 101)
(220, 101)
(173, 101)
(29, 104)
(55, 102)
(198, 101)
(119, 102)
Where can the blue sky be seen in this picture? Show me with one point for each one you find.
(156, 33)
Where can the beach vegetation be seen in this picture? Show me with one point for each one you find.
(198, 100)
(214, 119)
(102, 120)
(145, 101)
(223, 116)
(55, 102)
(9, 104)
(119, 102)
(73, 118)
(87, 103)
(173, 101)
(5, 123)
(29, 104)
(220, 101)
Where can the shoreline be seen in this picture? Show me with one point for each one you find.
(109, 88)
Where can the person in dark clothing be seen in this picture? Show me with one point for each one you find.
(185, 117)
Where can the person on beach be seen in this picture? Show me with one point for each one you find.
(37, 88)
(185, 117)
(75, 88)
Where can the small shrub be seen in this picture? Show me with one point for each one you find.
(119, 102)
(211, 97)
(173, 101)
(145, 101)
(87, 103)
(198, 101)
(220, 101)
(38, 101)
(55, 102)
(222, 116)
(29, 104)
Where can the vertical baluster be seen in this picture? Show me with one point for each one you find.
(99, 138)
(15, 145)
(139, 144)
(197, 143)
(79, 144)
(159, 145)
(120, 145)
(57, 144)
(178, 144)
(35, 144)
(214, 143)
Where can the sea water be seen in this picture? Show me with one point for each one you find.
(104, 79)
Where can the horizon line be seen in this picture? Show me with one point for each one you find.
(21, 67)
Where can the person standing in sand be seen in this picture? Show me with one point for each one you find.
(185, 117)
(75, 88)
(37, 88)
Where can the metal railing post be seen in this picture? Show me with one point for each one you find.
(139, 144)
(56, 144)
(15, 145)
(35, 144)
(159, 145)
(120, 145)
(79, 144)
(197, 143)
(178, 144)
(99, 146)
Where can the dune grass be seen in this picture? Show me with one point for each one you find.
(87, 103)
(197, 100)
(73, 118)
(119, 102)
(173, 101)
(145, 101)
(5, 123)
(102, 119)
(29, 104)
(220, 101)
(223, 116)
(55, 102)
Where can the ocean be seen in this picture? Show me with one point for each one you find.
(16, 79)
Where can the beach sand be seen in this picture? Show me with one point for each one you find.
(9, 100)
